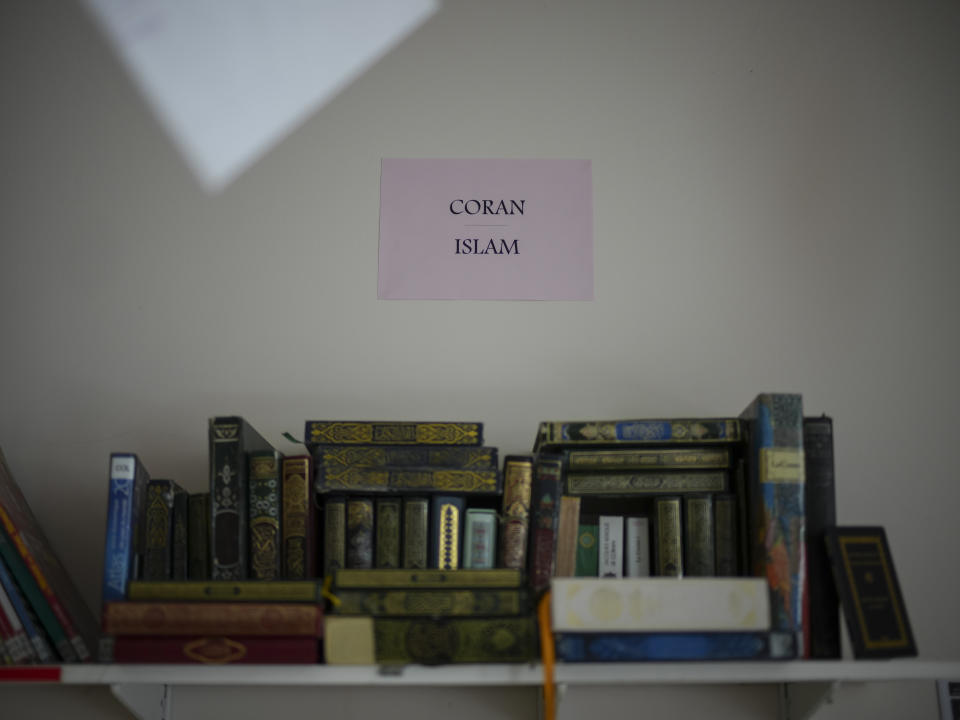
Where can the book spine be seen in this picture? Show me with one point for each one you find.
(544, 519)
(568, 537)
(614, 432)
(179, 538)
(455, 640)
(295, 591)
(198, 536)
(446, 531)
(699, 550)
(15, 636)
(637, 551)
(28, 618)
(460, 602)
(686, 458)
(228, 618)
(298, 522)
(158, 553)
(725, 535)
(776, 487)
(515, 515)
(659, 604)
(40, 598)
(668, 540)
(822, 629)
(588, 549)
(125, 511)
(416, 532)
(480, 539)
(334, 534)
(359, 532)
(662, 647)
(334, 459)
(263, 478)
(387, 520)
(647, 482)
(376, 480)
(429, 578)
(334, 432)
(228, 499)
(215, 650)
(610, 538)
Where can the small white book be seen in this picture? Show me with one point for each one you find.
(659, 604)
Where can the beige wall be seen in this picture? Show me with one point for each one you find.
(776, 208)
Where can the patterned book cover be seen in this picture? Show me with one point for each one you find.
(216, 649)
(38, 600)
(198, 536)
(446, 531)
(334, 534)
(158, 552)
(416, 532)
(212, 618)
(544, 519)
(667, 646)
(639, 458)
(440, 641)
(263, 477)
(295, 591)
(566, 434)
(126, 509)
(62, 596)
(416, 480)
(588, 548)
(659, 604)
(725, 534)
(515, 515)
(334, 459)
(350, 432)
(387, 520)
(480, 539)
(699, 550)
(230, 439)
(426, 579)
(775, 483)
(359, 532)
(431, 603)
(667, 537)
(568, 537)
(822, 631)
(646, 482)
(31, 625)
(298, 522)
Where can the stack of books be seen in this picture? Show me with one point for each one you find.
(402, 494)
(43, 618)
(430, 617)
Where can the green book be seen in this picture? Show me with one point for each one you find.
(439, 641)
(416, 532)
(432, 603)
(588, 555)
(295, 591)
(334, 534)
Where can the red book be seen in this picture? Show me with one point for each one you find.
(544, 520)
(207, 618)
(215, 650)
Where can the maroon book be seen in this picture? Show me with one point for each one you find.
(216, 650)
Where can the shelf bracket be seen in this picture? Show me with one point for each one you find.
(145, 701)
(799, 701)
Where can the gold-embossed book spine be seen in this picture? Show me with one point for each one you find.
(515, 515)
(334, 534)
(264, 507)
(387, 522)
(298, 522)
(416, 532)
(683, 458)
(668, 540)
(227, 618)
(584, 433)
(426, 479)
(341, 432)
(446, 535)
(455, 640)
(647, 482)
(429, 578)
(430, 603)
(296, 591)
(699, 549)
(359, 532)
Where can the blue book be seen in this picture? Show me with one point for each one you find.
(669, 646)
(29, 621)
(126, 507)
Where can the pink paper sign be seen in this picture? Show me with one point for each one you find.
(486, 229)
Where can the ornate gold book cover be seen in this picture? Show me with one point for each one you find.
(428, 578)
(430, 603)
(344, 432)
(455, 640)
(646, 483)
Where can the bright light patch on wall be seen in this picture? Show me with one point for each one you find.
(228, 79)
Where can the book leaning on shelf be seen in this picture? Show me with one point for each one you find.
(41, 579)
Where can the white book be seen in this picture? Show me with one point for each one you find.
(660, 604)
(637, 556)
(610, 540)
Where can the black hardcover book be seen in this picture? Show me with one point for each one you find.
(823, 636)
(159, 551)
(230, 439)
(869, 592)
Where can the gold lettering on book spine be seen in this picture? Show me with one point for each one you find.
(646, 482)
(335, 433)
(669, 543)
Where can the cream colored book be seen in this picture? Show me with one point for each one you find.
(659, 604)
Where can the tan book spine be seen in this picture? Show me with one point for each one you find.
(517, 487)
(567, 536)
